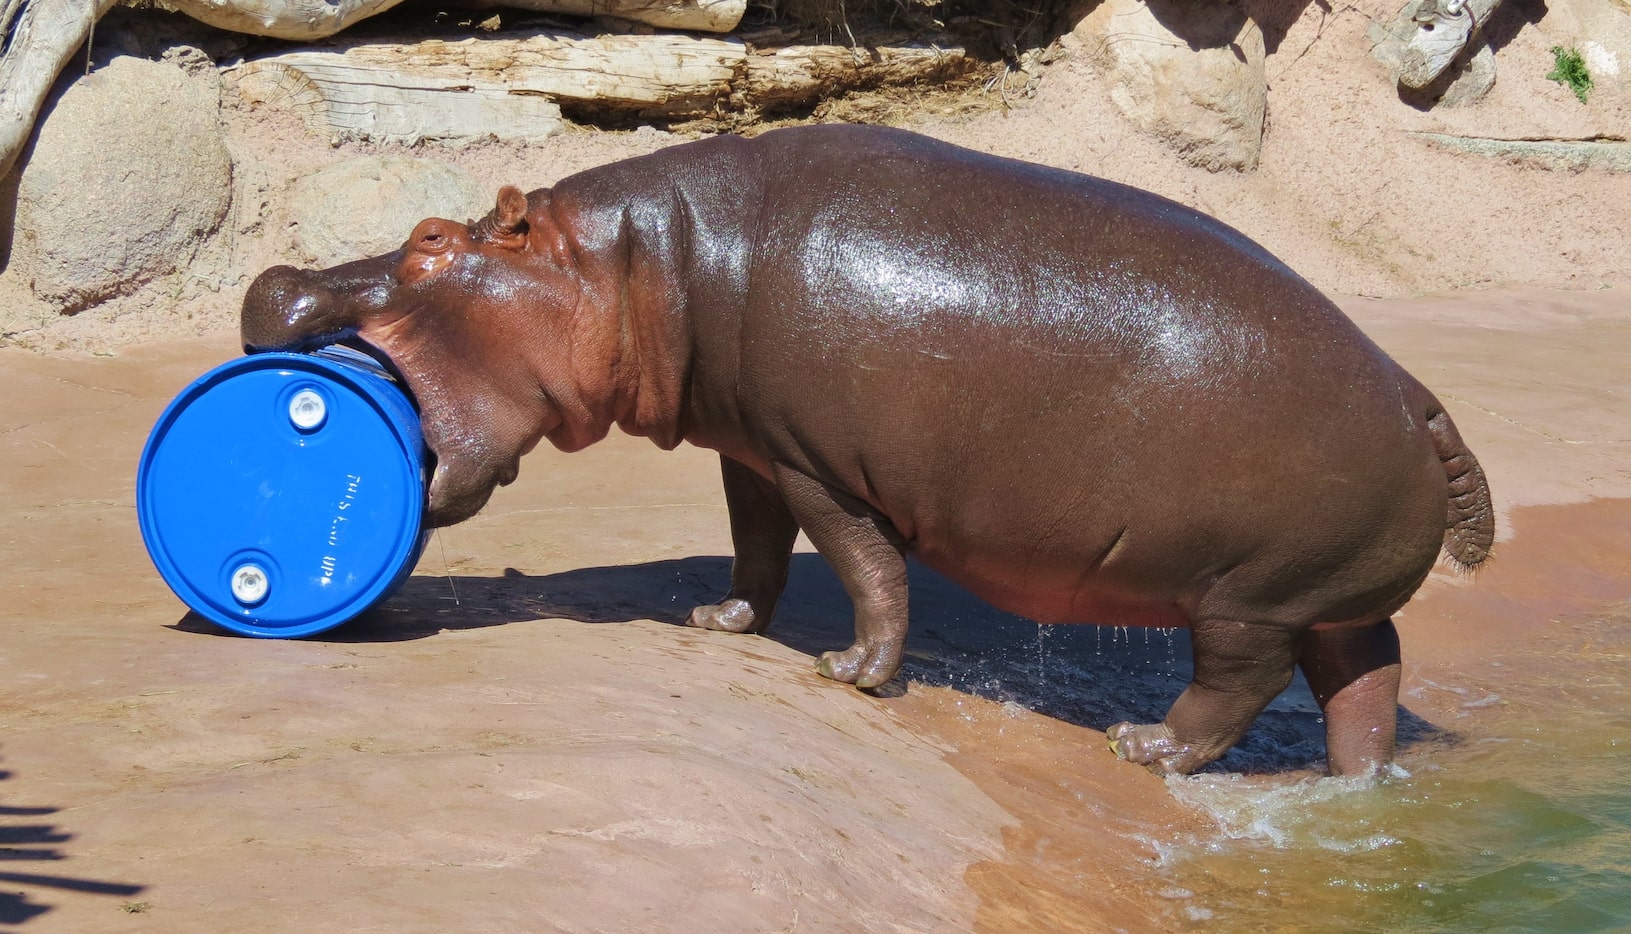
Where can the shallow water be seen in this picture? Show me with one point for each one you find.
(1509, 808)
(1525, 828)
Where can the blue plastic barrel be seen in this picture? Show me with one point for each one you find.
(282, 494)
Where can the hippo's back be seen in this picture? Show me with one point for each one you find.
(1054, 384)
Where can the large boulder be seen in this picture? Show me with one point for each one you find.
(368, 205)
(1187, 71)
(128, 176)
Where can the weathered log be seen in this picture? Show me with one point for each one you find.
(658, 76)
(352, 102)
(667, 73)
(40, 36)
(1429, 35)
(798, 75)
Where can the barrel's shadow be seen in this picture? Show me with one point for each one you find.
(1086, 675)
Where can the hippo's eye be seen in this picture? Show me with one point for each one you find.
(433, 242)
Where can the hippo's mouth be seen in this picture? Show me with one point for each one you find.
(453, 498)
(346, 337)
(380, 358)
(351, 340)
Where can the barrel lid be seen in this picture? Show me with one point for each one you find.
(282, 494)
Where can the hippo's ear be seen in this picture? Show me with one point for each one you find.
(506, 224)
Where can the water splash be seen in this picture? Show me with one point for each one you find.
(1042, 631)
(1524, 825)
(1271, 811)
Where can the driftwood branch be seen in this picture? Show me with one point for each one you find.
(659, 76)
(1429, 35)
(331, 96)
(40, 36)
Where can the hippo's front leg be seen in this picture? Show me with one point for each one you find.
(762, 534)
(865, 551)
(1239, 669)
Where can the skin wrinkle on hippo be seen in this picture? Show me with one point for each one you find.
(1081, 401)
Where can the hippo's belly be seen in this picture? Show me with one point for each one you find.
(1134, 501)
(1264, 535)
(1086, 597)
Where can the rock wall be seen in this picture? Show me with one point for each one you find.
(133, 216)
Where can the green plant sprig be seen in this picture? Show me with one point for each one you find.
(1570, 69)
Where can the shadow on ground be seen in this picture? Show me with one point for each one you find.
(1091, 676)
(26, 838)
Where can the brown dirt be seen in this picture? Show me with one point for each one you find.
(550, 752)
(1343, 193)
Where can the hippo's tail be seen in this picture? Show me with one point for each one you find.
(1469, 529)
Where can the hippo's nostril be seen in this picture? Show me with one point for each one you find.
(293, 309)
(290, 309)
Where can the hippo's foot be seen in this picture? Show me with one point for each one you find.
(732, 615)
(860, 666)
(1153, 746)
(1239, 668)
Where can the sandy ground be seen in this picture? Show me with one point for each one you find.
(550, 751)
(524, 739)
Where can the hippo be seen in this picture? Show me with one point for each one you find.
(1081, 401)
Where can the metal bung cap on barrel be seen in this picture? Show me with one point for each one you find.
(282, 494)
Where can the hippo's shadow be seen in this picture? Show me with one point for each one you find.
(1087, 675)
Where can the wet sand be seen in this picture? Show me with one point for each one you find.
(550, 750)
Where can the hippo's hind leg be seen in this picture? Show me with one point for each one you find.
(1354, 674)
(1239, 669)
(762, 534)
(866, 553)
